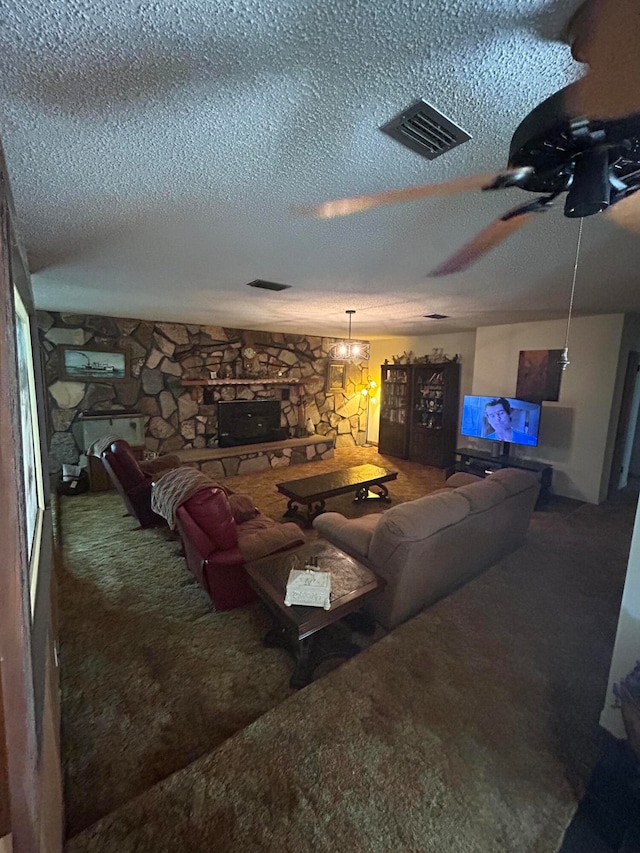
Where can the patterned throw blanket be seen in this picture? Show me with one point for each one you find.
(175, 487)
(98, 447)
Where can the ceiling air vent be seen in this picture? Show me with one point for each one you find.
(267, 285)
(424, 130)
(436, 316)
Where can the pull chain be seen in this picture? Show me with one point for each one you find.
(564, 358)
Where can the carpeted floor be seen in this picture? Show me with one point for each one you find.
(151, 677)
(469, 728)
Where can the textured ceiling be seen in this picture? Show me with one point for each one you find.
(155, 149)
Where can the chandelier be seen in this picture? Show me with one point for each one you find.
(349, 350)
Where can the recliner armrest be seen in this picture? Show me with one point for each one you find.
(160, 465)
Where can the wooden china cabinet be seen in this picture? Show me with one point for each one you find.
(419, 412)
(395, 401)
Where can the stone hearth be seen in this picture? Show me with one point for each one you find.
(229, 461)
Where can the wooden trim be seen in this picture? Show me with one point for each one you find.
(24, 639)
(15, 636)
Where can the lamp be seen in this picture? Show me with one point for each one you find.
(369, 391)
(349, 350)
(563, 361)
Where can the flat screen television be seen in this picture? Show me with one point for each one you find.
(504, 419)
(248, 422)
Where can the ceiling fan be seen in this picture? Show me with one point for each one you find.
(583, 141)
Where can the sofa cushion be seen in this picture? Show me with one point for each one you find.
(483, 495)
(421, 518)
(353, 535)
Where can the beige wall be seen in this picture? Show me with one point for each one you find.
(578, 431)
(462, 343)
(575, 433)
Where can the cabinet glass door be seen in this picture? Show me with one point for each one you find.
(429, 398)
(395, 395)
(394, 410)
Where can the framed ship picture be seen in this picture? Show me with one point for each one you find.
(93, 364)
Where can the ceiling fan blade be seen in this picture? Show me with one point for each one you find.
(490, 237)
(605, 35)
(626, 212)
(346, 206)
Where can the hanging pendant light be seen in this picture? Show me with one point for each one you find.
(563, 361)
(349, 350)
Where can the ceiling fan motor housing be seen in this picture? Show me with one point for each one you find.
(596, 161)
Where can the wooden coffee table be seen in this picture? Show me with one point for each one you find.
(306, 631)
(367, 481)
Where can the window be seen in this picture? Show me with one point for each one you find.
(32, 466)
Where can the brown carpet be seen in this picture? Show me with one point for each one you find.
(151, 677)
(470, 728)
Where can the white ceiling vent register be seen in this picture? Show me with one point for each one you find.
(425, 130)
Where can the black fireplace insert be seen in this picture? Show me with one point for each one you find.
(249, 422)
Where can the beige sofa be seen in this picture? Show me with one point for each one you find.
(430, 546)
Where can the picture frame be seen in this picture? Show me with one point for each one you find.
(539, 375)
(94, 364)
(336, 376)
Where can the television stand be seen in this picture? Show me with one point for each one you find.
(482, 463)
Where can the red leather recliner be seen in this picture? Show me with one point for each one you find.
(217, 546)
(132, 482)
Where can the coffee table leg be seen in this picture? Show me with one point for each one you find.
(278, 637)
(309, 652)
(305, 664)
(294, 510)
(366, 493)
(302, 651)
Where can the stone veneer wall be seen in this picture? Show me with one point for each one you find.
(163, 354)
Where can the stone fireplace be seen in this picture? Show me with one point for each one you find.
(178, 372)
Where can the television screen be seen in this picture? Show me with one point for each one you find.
(501, 419)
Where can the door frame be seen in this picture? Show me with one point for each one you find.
(25, 621)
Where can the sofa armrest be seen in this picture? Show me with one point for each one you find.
(354, 535)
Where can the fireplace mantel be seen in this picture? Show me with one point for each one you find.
(256, 380)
